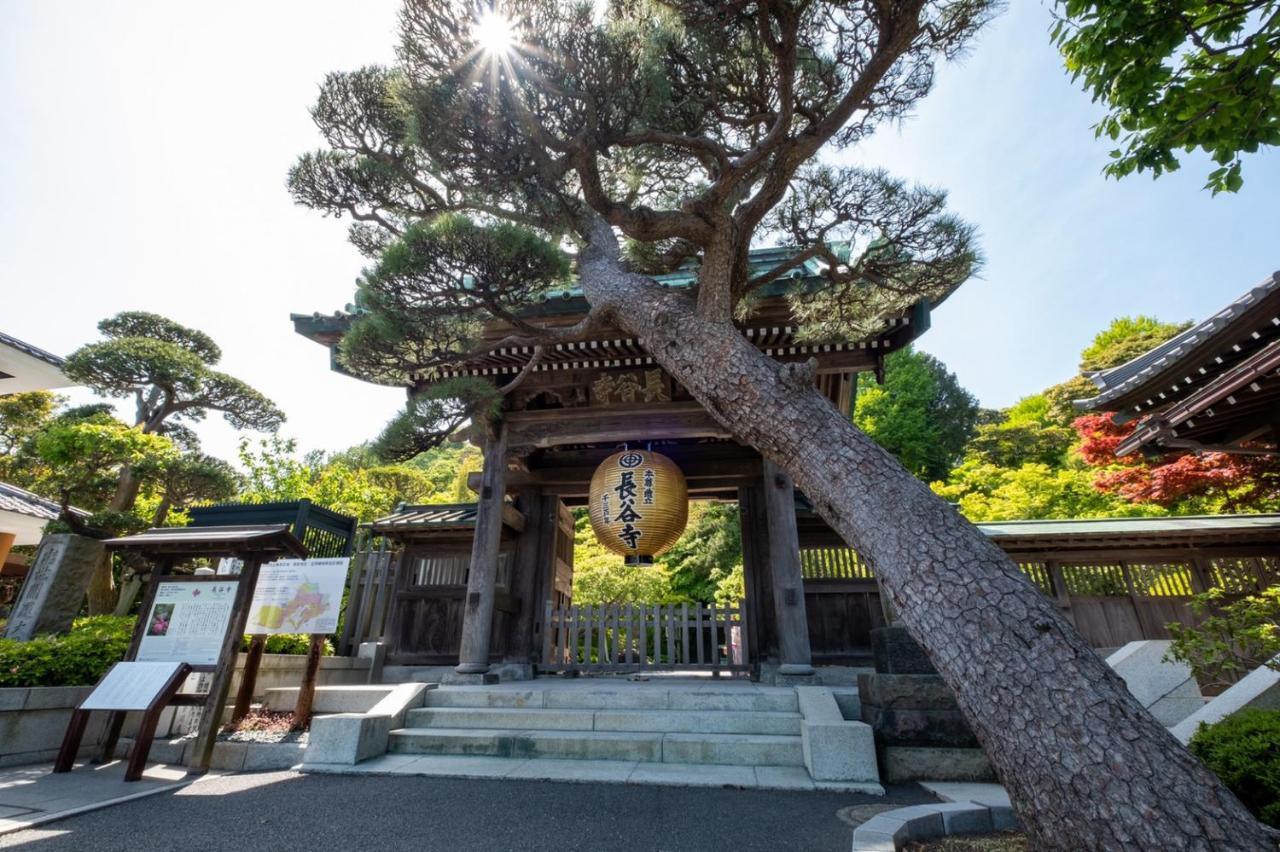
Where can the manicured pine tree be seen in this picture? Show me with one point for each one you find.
(623, 139)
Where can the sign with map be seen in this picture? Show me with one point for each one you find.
(188, 621)
(298, 596)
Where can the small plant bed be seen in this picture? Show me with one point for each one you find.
(1004, 842)
(262, 726)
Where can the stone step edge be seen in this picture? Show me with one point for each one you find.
(576, 700)
(591, 718)
(826, 786)
(683, 736)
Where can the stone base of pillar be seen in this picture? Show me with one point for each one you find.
(797, 669)
(469, 679)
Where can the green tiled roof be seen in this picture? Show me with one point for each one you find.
(1170, 526)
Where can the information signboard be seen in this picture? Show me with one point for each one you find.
(298, 596)
(187, 622)
(131, 686)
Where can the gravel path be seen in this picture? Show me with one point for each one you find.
(315, 813)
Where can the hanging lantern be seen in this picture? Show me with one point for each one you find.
(639, 504)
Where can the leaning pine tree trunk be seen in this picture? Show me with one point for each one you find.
(1085, 765)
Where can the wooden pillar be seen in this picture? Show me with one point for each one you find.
(6, 544)
(531, 561)
(784, 567)
(216, 702)
(477, 615)
(762, 632)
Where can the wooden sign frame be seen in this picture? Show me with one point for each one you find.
(146, 733)
(223, 671)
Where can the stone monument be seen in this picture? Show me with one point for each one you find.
(55, 586)
(919, 729)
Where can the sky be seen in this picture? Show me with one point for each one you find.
(144, 146)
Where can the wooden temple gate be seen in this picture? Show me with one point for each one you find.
(495, 586)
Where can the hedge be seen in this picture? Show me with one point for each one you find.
(77, 658)
(1244, 751)
(81, 657)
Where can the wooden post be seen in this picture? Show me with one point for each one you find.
(477, 615)
(249, 680)
(761, 631)
(784, 565)
(530, 561)
(211, 715)
(307, 692)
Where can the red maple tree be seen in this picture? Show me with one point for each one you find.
(1248, 482)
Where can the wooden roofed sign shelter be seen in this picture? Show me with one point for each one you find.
(216, 609)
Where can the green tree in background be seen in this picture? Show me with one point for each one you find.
(351, 481)
(709, 550)
(85, 456)
(1024, 462)
(168, 371)
(188, 479)
(1178, 75)
(22, 417)
(601, 577)
(920, 414)
(704, 562)
(1025, 432)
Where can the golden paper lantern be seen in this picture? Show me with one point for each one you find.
(639, 504)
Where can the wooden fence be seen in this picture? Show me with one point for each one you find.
(372, 581)
(644, 637)
(1111, 601)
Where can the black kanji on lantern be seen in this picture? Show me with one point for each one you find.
(626, 488)
(630, 535)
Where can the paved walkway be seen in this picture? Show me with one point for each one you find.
(319, 813)
(602, 771)
(32, 795)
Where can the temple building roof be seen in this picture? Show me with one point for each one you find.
(1187, 530)
(25, 514)
(1214, 386)
(770, 328)
(24, 367)
(439, 517)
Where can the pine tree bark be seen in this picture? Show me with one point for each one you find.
(1085, 765)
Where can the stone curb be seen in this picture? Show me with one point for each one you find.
(892, 830)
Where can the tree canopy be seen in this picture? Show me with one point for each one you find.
(921, 414)
(473, 176)
(1041, 459)
(1178, 75)
(168, 370)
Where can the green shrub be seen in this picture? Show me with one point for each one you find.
(78, 658)
(1233, 637)
(1244, 751)
(289, 643)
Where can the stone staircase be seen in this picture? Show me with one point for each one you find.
(701, 726)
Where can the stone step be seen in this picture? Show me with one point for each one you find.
(329, 699)
(688, 748)
(648, 697)
(651, 721)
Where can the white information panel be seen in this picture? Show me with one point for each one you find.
(188, 622)
(298, 596)
(130, 686)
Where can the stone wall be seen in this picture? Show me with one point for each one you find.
(33, 720)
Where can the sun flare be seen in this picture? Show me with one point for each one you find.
(493, 32)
